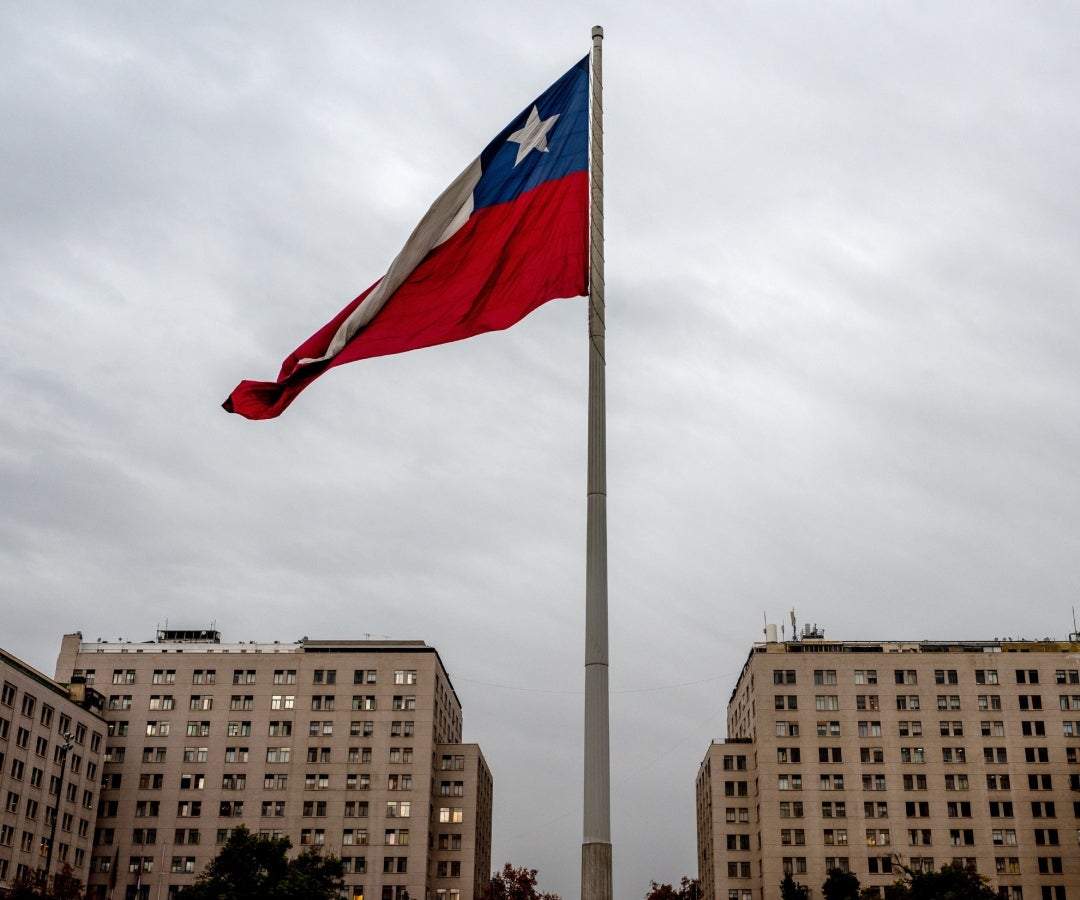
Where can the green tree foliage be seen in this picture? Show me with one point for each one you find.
(688, 889)
(514, 883)
(840, 885)
(951, 882)
(63, 885)
(790, 889)
(249, 867)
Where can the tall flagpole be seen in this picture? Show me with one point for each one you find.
(596, 842)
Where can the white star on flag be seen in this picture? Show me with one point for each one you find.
(533, 136)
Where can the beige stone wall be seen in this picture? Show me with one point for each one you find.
(35, 713)
(814, 714)
(361, 777)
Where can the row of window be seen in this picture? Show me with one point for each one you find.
(246, 676)
(916, 755)
(914, 728)
(950, 702)
(1003, 865)
(41, 750)
(243, 728)
(270, 808)
(353, 809)
(316, 728)
(318, 755)
(47, 713)
(308, 838)
(71, 793)
(941, 676)
(349, 837)
(237, 781)
(67, 825)
(123, 702)
(879, 809)
(953, 782)
(27, 845)
(312, 782)
(882, 837)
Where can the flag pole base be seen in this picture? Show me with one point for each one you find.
(596, 871)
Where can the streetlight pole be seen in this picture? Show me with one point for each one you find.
(64, 748)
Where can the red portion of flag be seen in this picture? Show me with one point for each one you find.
(505, 261)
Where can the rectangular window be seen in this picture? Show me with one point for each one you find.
(956, 783)
(869, 755)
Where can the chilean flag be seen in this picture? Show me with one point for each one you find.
(510, 233)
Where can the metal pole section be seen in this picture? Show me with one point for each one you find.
(64, 748)
(596, 843)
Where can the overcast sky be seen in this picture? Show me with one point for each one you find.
(843, 355)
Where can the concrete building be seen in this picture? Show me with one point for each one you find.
(863, 755)
(351, 747)
(52, 741)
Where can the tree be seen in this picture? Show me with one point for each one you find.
(840, 885)
(63, 885)
(250, 867)
(688, 889)
(790, 889)
(953, 881)
(516, 884)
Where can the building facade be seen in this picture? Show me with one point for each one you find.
(350, 747)
(52, 743)
(865, 756)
